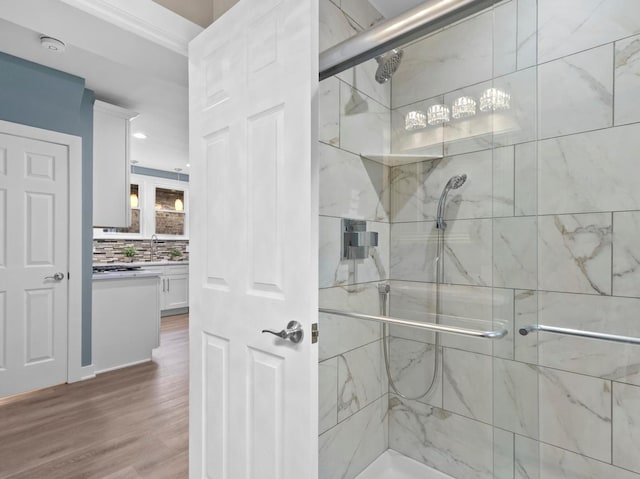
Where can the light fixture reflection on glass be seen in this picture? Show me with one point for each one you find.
(179, 206)
(415, 120)
(494, 99)
(463, 107)
(438, 114)
(134, 200)
(139, 135)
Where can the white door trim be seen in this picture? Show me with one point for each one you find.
(75, 371)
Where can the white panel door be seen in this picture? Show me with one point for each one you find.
(254, 254)
(33, 248)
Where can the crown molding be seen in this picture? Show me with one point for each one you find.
(144, 18)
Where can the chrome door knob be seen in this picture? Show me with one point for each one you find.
(293, 332)
(56, 277)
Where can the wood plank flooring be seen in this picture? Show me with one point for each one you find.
(125, 424)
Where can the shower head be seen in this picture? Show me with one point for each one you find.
(454, 183)
(388, 63)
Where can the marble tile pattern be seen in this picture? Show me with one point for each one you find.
(596, 167)
(627, 81)
(455, 445)
(329, 111)
(515, 397)
(334, 271)
(519, 123)
(365, 124)
(361, 378)
(514, 252)
(505, 38)
(626, 253)
(525, 179)
(467, 380)
(503, 454)
(455, 57)
(467, 256)
(340, 334)
(574, 253)
(526, 458)
(503, 318)
(416, 188)
(412, 369)
(348, 448)
(576, 92)
(525, 314)
(559, 463)
(527, 35)
(626, 429)
(604, 359)
(570, 405)
(328, 394)
(503, 196)
(351, 186)
(571, 26)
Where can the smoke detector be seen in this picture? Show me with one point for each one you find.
(52, 44)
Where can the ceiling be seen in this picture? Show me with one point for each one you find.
(144, 73)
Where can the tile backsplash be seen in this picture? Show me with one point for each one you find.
(111, 251)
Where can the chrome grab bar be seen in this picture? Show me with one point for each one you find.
(438, 328)
(578, 332)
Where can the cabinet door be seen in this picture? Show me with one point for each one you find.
(177, 291)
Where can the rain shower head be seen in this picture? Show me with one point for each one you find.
(388, 64)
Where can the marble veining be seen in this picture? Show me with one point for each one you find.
(361, 378)
(328, 394)
(576, 93)
(559, 463)
(571, 26)
(626, 428)
(605, 314)
(515, 389)
(627, 80)
(571, 404)
(626, 254)
(514, 252)
(348, 448)
(466, 383)
(452, 444)
(575, 253)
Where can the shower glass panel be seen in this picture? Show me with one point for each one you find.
(498, 165)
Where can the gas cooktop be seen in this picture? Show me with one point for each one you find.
(110, 268)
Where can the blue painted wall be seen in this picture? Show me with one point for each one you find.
(41, 97)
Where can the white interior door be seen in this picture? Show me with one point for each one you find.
(33, 248)
(254, 255)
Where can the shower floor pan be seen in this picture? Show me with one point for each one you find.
(393, 465)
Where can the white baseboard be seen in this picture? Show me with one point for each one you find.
(134, 363)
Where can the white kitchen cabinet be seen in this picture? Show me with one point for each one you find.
(174, 285)
(111, 195)
(175, 282)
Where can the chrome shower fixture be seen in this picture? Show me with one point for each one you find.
(454, 183)
(356, 240)
(388, 63)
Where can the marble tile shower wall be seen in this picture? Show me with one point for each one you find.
(354, 119)
(545, 230)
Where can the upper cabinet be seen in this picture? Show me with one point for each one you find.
(111, 190)
(158, 205)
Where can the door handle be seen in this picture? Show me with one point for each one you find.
(293, 332)
(56, 276)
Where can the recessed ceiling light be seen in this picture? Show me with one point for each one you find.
(52, 44)
(188, 165)
(139, 135)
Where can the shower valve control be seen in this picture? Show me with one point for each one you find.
(356, 240)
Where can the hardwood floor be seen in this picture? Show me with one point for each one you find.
(125, 424)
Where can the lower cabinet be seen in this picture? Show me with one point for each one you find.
(174, 286)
